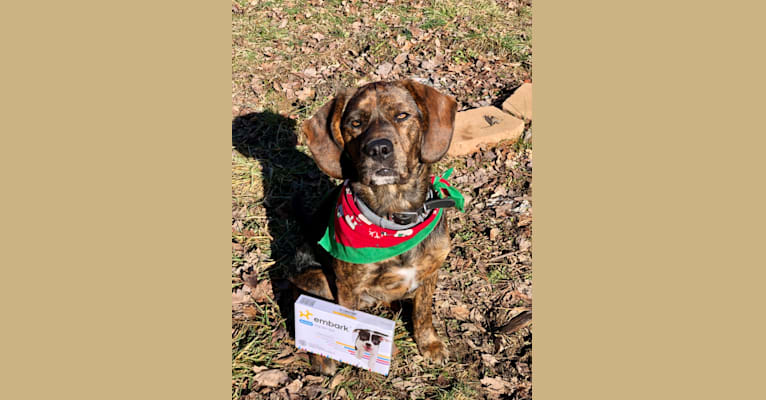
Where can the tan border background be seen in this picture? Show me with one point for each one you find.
(648, 193)
(116, 165)
(648, 198)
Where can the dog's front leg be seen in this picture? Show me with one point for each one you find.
(346, 296)
(328, 366)
(429, 344)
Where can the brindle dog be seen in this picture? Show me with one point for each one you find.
(383, 137)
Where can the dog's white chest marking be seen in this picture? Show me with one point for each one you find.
(409, 277)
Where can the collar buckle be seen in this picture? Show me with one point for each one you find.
(404, 217)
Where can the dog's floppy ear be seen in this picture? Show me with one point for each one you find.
(438, 112)
(324, 136)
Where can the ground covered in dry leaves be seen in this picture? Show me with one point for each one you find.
(288, 58)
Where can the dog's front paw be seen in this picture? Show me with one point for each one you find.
(435, 350)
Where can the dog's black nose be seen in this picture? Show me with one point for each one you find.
(379, 149)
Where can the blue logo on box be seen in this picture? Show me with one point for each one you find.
(304, 322)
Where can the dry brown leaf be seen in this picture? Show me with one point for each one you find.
(524, 244)
(495, 384)
(315, 391)
(260, 291)
(400, 58)
(294, 386)
(489, 359)
(469, 327)
(504, 210)
(524, 221)
(241, 295)
(310, 72)
(336, 380)
(460, 312)
(305, 94)
(270, 378)
(384, 69)
(313, 379)
(401, 384)
(287, 360)
(493, 233)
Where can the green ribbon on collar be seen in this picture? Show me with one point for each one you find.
(452, 193)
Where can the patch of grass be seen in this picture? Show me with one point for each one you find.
(482, 26)
(433, 22)
(498, 274)
(266, 32)
(515, 45)
(263, 5)
(527, 275)
(453, 324)
(459, 391)
(439, 14)
(460, 57)
(466, 234)
(522, 144)
(405, 14)
(294, 10)
(466, 29)
(252, 346)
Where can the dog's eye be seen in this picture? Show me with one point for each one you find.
(402, 116)
(356, 123)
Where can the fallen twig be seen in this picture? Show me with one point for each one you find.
(506, 255)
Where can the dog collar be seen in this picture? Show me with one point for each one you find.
(405, 219)
(357, 235)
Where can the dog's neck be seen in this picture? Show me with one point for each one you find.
(398, 197)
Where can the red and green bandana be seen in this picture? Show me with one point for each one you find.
(352, 237)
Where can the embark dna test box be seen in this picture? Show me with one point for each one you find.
(353, 337)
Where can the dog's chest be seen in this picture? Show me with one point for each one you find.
(408, 278)
(392, 282)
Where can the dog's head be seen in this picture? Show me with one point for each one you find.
(369, 340)
(380, 132)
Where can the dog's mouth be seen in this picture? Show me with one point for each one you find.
(385, 172)
(383, 176)
(367, 347)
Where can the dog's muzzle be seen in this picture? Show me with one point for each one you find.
(381, 151)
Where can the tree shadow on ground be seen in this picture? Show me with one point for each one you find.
(271, 139)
